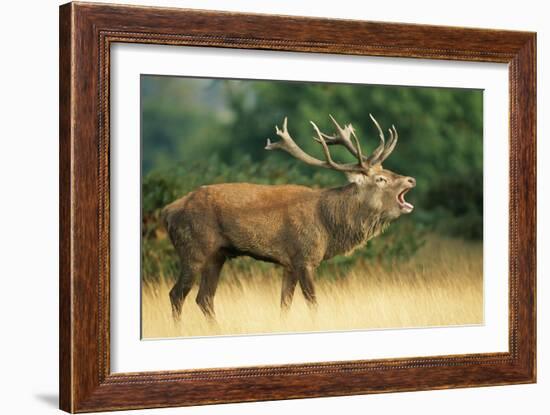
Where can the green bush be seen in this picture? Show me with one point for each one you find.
(456, 205)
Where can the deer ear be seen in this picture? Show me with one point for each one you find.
(358, 178)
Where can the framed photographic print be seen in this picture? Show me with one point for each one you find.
(260, 207)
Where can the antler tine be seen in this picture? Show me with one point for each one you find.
(338, 128)
(329, 139)
(374, 157)
(321, 140)
(343, 137)
(288, 144)
(286, 139)
(360, 159)
(391, 144)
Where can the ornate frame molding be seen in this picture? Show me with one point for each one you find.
(86, 33)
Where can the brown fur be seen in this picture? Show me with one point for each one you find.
(296, 227)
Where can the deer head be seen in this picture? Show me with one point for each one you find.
(384, 191)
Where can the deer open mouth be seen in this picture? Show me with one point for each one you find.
(403, 204)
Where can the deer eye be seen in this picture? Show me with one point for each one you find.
(381, 180)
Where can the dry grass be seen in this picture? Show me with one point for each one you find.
(442, 285)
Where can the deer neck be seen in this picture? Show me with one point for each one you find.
(349, 220)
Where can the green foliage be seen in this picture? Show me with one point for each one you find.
(158, 259)
(456, 204)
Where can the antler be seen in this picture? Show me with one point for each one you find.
(289, 145)
(343, 137)
(383, 150)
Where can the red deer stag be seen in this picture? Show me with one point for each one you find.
(294, 226)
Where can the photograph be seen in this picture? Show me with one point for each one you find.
(273, 206)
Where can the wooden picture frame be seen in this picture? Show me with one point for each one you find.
(86, 33)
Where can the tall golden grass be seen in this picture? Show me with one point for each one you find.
(442, 285)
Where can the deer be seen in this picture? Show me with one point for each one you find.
(295, 227)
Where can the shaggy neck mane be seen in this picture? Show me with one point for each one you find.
(349, 219)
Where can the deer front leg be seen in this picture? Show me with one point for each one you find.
(290, 280)
(305, 276)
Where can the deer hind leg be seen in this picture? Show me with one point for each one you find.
(186, 279)
(179, 291)
(209, 283)
(287, 291)
(305, 277)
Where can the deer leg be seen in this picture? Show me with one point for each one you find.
(182, 287)
(287, 292)
(305, 276)
(209, 282)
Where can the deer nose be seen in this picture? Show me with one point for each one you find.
(411, 181)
